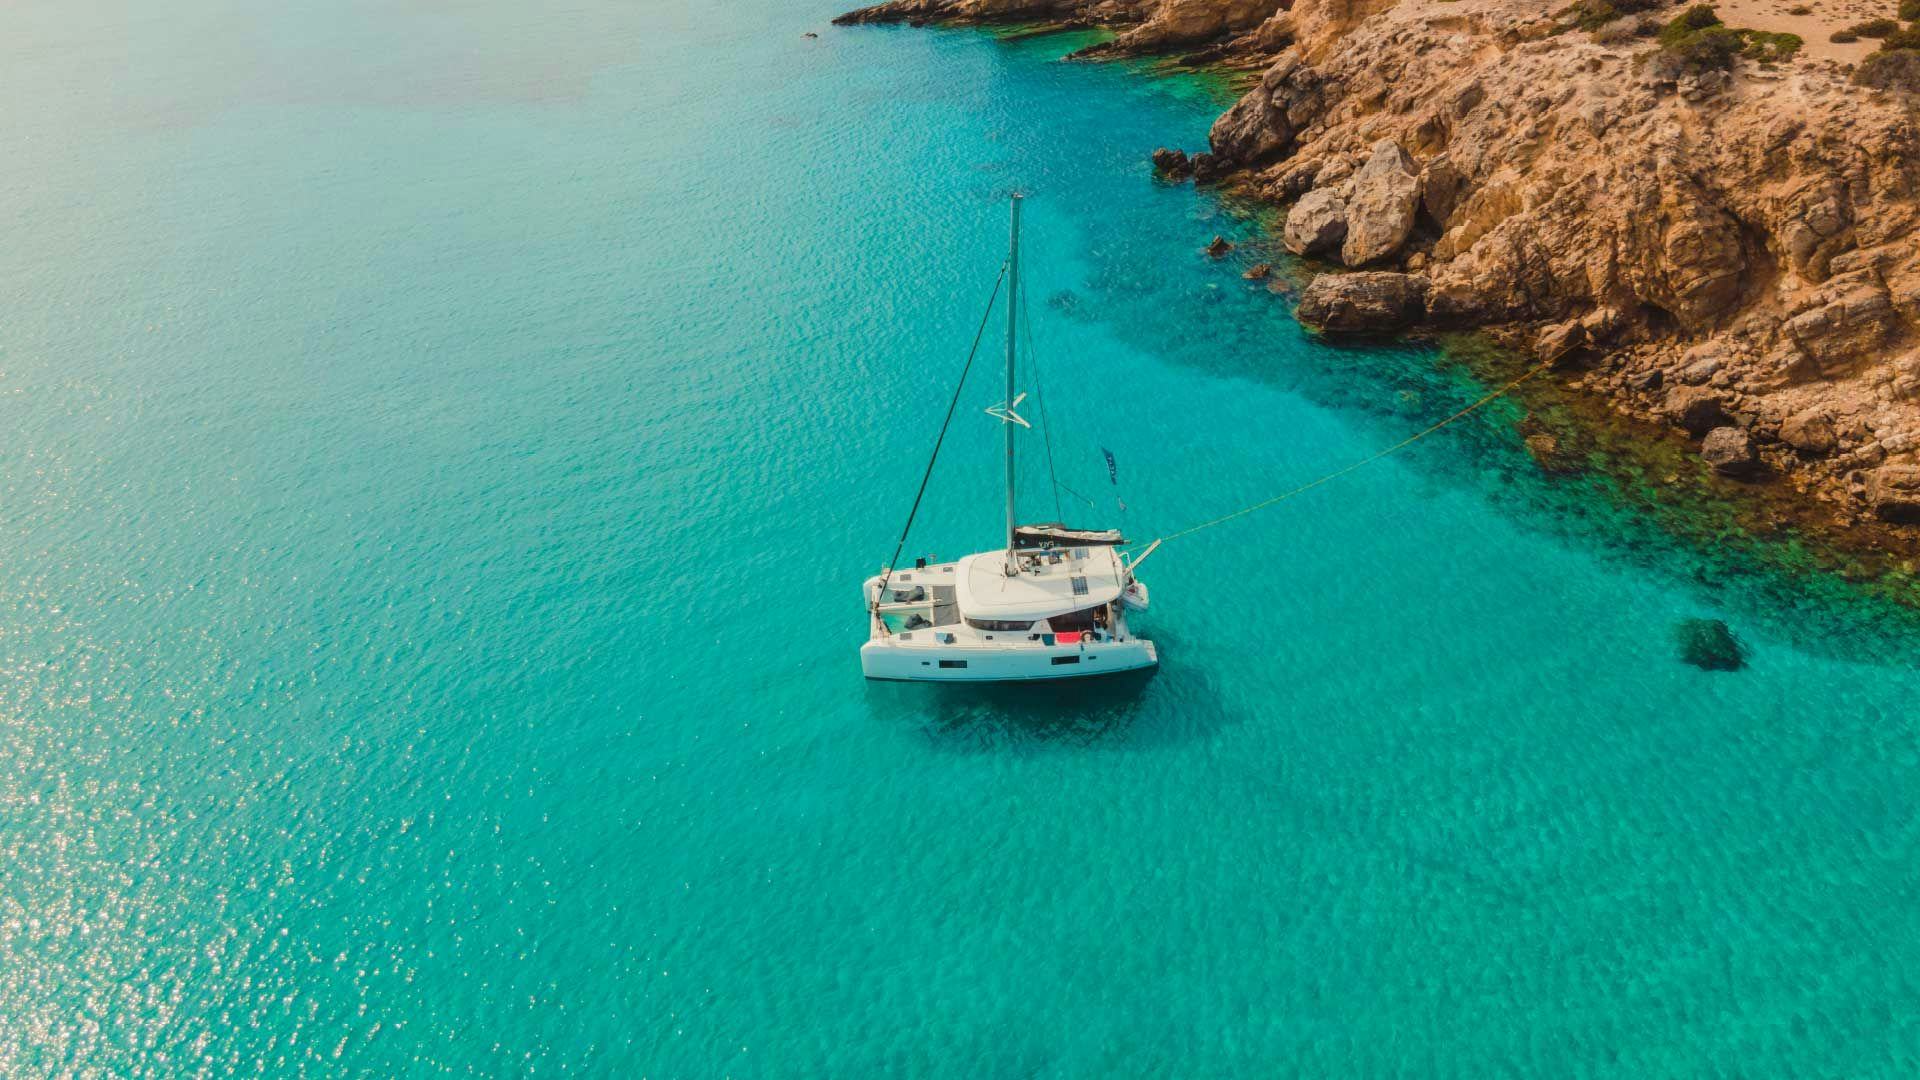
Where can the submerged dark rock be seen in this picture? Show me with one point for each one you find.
(1547, 453)
(1258, 271)
(1708, 645)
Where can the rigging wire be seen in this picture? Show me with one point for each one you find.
(887, 575)
(1046, 428)
(1368, 460)
(1040, 396)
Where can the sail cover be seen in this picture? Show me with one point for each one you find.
(1058, 535)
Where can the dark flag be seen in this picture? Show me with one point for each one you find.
(1113, 471)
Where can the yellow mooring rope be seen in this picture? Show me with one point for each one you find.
(1337, 474)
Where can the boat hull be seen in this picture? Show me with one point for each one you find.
(905, 661)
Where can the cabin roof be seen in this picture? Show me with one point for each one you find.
(1053, 583)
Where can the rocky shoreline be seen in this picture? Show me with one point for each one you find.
(1723, 242)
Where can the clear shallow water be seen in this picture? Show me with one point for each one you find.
(444, 444)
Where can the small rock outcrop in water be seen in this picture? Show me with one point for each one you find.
(1172, 164)
(1709, 645)
(1258, 272)
(1376, 302)
(1220, 246)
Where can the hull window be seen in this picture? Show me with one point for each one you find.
(953, 663)
(1058, 660)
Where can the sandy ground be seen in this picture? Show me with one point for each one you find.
(1826, 17)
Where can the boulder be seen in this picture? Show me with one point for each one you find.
(1701, 363)
(1894, 492)
(1220, 246)
(1709, 645)
(1317, 223)
(1730, 452)
(1375, 302)
(1258, 272)
(1810, 431)
(1380, 211)
(1560, 340)
(1696, 409)
(1602, 324)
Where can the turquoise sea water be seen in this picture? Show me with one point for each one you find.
(444, 442)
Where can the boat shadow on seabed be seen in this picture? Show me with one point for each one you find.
(992, 715)
(1130, 708)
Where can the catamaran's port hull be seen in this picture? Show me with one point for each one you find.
(891, 659)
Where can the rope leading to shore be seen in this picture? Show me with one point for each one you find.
(1363, 462)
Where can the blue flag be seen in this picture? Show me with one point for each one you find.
(1113, 471)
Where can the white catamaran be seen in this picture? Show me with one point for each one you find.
(1052, 604)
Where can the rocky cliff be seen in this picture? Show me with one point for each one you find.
(1710, 223)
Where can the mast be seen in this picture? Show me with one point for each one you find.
(1013, 310)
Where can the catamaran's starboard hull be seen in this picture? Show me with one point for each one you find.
(907, 662)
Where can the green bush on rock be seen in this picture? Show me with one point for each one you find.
(1688, 23)
(1890, 69)
(1769, 46)
(1696, 41)
(1874, 28)
(1593, 14)
(1902, 39)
